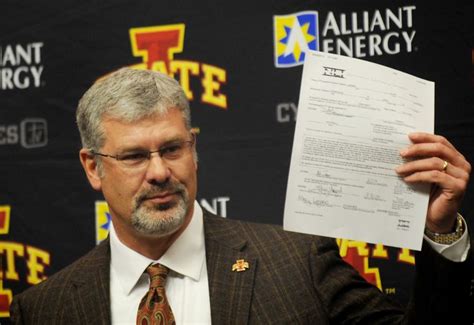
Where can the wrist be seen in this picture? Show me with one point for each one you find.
(444, 226)
(447, 238)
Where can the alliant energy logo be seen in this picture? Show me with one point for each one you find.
(30, 133)
(356, 34)
(216, 205)
(294, 34)
(102, 221)
(12, 253)
(158, 45)
(21, 66)
(359, 255)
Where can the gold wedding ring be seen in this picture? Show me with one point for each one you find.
(445, 166)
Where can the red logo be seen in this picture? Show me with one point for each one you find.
(157, 44)
(5, 294)
(35, 259)
(359, 255)
(157, 47)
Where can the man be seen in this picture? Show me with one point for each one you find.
(139, 150)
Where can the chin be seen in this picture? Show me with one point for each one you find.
(160, 221)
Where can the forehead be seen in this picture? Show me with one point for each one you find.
(148, 132)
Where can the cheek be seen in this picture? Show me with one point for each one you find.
(119, 190)
(192, 183)
(187, 176)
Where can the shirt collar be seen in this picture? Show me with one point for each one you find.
(185, 256)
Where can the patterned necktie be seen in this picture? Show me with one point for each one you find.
(154, 307)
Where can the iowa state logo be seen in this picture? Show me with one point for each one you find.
(157, 47)
(359, 254)
(35, 260)
(5, 294)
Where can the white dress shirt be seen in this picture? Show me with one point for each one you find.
(186, 287)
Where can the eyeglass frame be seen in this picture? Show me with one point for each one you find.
(148, 153)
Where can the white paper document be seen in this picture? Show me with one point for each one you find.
(353, 118)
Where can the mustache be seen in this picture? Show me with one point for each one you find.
(159, 189)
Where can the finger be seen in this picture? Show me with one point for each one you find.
(435, 164)
(452, 186)
(436, 149)
(426, 149)
(420, 137)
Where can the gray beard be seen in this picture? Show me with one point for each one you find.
(161, 219)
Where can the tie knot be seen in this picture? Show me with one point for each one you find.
(158, 274)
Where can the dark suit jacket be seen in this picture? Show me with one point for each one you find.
(292, 279)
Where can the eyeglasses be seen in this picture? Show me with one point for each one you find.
(171, 152)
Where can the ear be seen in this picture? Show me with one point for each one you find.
(195, 154)
(90, 167)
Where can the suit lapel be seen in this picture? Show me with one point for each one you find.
(230, 291)
(91, 288)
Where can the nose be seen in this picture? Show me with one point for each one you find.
(157, 170)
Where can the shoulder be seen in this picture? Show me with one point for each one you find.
(57, 286)
(286, 268)
(265, 237)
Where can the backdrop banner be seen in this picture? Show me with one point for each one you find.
(240, 65)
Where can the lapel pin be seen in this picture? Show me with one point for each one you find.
(240, 265)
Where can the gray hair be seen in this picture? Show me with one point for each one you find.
(129, 95)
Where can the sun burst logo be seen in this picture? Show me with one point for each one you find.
(102, 221)
(293, 35)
